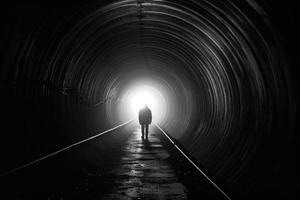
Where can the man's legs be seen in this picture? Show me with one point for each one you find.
(143, 130)
(147, 130)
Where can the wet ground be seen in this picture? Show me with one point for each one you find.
(145, 172)
(118, 165)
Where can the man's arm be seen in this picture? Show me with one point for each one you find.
(150, 116)
(140, 117)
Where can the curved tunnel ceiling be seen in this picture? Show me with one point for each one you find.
(215, 64)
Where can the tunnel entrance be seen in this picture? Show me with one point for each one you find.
(136, 97)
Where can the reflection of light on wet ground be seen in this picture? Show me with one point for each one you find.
(144, 171)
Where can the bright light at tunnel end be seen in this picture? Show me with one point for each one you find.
(138, 96)
(142, 98)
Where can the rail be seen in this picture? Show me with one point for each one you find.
(62, 150)
(182, 152)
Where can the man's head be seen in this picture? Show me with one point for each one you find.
(145, 105)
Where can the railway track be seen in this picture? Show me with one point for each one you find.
(178, 154)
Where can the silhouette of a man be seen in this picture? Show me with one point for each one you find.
(145, 118)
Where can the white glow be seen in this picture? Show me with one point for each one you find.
(140, 99)
(136, 97)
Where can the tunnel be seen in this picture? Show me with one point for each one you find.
(219, 76)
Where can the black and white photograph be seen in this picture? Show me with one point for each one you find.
(149, 100)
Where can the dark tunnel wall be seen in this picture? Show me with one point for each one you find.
(225, 69)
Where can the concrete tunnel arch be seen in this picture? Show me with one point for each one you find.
(215, 64)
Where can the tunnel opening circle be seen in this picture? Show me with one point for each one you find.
(135, 97)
